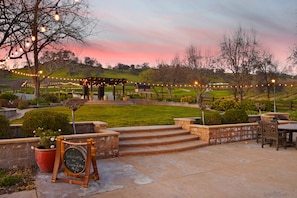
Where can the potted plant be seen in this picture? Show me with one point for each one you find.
(46, 150)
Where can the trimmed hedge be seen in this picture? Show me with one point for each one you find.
(233, 116)
(212, 118)
(46, 120)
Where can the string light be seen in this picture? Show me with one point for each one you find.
(43, 28)
(57, 16)
(155, 85)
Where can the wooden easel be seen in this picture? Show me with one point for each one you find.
(82, 177)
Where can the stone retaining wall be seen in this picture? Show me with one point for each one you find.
(225, 133)
(8, 113)
(17, 152)
(218, 134)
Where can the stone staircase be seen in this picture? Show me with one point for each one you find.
(145, 140)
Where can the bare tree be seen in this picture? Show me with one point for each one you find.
(239, 52)
(10, 20)
(200, 69)
(35, 25)
(266, 70)
(293, 55)
(169, 74)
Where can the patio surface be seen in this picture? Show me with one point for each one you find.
(227, 170)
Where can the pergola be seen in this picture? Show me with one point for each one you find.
(101, 82)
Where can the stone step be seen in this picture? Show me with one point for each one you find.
(152, 134)
(148, 150)
(143, 140)
(137, 129)
(157, 141)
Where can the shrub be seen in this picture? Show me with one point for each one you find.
(248, 105)
(22, 104)
(216, 105)
(212, 118)
(8, 96)
(188, 99)
(293, 115)
(249, 112)
(3, 103)
(64, 96)
(4, 128)
(18, 103)
(136, 96)
(233, 116)
(41, 101)
(268, 105)
(225, 104)
(45, 120)
(50, 97)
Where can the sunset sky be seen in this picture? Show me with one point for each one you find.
(139, 31)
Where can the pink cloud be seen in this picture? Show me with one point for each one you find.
(109, 53)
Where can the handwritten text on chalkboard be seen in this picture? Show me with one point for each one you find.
(75, 159)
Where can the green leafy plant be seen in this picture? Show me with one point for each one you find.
(225, 104)
(4, 127)
(47, 137)
(46, 120)
(212, 118)
(248, 105)
(8, 96)
(51, 97)
(23, 104)
(15, 180)
(7, 179)
(267, 105)
(233, 116)
(188, 99)
(293, 115)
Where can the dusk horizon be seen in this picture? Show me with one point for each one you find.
(137, 32)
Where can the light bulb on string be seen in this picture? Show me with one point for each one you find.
(43, 28)
(57, 16)
(27, 44)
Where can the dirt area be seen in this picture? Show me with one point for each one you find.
(15, 180)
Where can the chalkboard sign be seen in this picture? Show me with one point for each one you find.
(75, 159)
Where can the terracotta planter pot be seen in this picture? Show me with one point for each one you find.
(45, 159)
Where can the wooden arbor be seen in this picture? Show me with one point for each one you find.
(101, 83)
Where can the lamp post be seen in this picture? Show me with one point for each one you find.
(38, 84)
(196, 86)
(274, 101)
(200, 105)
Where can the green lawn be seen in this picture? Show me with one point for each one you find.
(119, 116)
